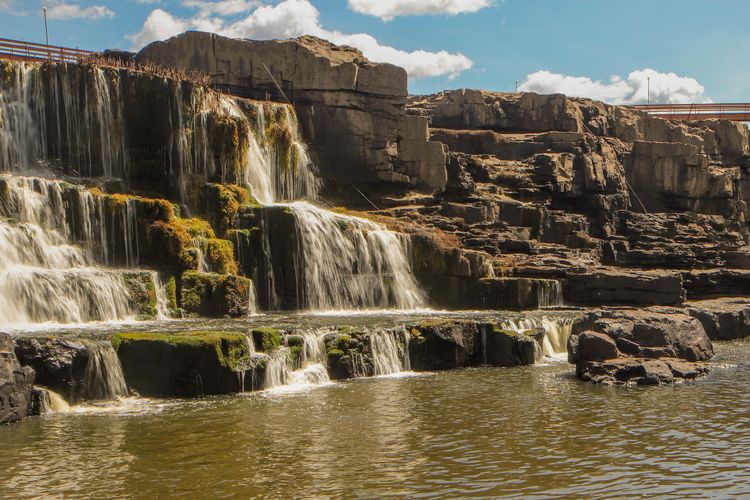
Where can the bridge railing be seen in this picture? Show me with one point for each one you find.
(727, 111)
(17, 49)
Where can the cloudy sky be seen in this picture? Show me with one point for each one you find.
(692, 50)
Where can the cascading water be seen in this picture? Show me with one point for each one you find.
(103, 377)
(44, 275)
(341, 262)
(557, 331)
(311, 368)
(390, 351)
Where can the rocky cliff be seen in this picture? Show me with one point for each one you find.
(622, 208)
(352, 110)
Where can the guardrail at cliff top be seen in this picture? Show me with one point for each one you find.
(28, 51)
(738, 112)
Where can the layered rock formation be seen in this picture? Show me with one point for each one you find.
(351, 109)
(647, 347)
(620, 207)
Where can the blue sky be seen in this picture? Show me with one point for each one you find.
(574, 46)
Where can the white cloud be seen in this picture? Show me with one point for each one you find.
(293, 18)
(222, 7)
(64, 11)
(6, 4)
(666, 88)
(147, 2)
(388, 9)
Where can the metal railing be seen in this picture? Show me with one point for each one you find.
(726, 111)
(29, 51)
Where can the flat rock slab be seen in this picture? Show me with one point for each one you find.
(726, 318)
(640, 371)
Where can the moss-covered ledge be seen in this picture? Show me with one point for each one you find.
(187, 364)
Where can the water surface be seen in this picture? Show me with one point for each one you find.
(478, 432)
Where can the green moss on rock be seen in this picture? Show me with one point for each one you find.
(269, 339)
(230, 347)
(215, 295)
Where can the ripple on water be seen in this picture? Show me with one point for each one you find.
(532, 431)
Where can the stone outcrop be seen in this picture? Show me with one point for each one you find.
(352, 110)
(648, 346)
(16, 384)
(619, 207)
(725, 318)
(185, 365)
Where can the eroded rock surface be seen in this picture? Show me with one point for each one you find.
(651, 346)
(16, 383)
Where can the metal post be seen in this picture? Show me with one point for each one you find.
(648, 87)
(46, 32)
(516, 86)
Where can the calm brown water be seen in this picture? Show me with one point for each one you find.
(531, 431)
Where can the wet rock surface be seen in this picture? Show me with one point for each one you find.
(16, 384)
(652, 346)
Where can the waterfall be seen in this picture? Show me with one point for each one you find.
(549, 293)
(557, 331)
(342, 262)
(103, 377)
(62, 111)
(390, 351)
(44, 274)
(278, 166)
(311, 368)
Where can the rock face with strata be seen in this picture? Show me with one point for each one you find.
(620, 207)
(351, 109)
(16, 383)
(649, 346)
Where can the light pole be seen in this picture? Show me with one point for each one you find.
(648, 90)
(46, 31)
(516, 86)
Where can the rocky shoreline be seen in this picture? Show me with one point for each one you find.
(487, 200)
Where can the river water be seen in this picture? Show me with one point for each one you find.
(535, 431)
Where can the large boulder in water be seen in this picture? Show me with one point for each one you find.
(16, 384)
(60, 364)
(185, 364)
(648, 346)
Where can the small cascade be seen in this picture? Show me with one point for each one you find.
(278, 369)
(557, 331)
(390, 351)
(549, 293)
(278, 166)
(45, 275)
(344, 262)
(103, 377)
(310, 369)
(162, 302)
(106, 226)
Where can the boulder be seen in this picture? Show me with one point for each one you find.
(639, 371)
(725, 318)
(592, 346)
(442, 345)
(649, 346)
(509, 348)
(60, 364)
(215, 295)
(185, 364)
(649, 333)
(16, 384)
